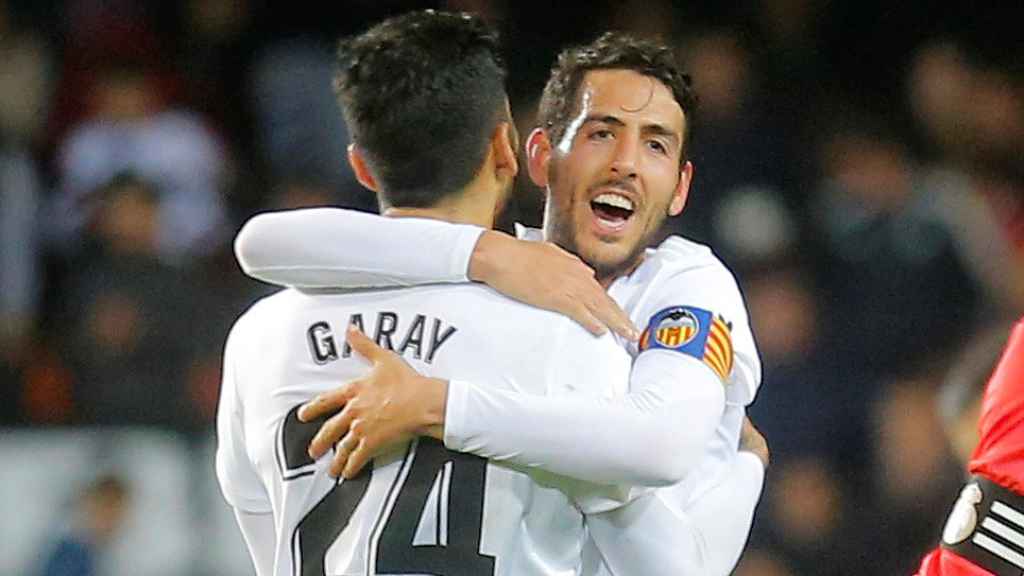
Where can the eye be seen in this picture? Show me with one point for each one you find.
(657, 147)
(601, 134)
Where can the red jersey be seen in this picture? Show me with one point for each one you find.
(990, 526)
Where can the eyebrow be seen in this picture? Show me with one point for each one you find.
(657, 129)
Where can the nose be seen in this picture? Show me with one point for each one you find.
(624, 164)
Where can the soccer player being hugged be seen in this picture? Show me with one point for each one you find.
(612, 152)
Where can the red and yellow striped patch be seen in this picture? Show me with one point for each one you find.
(718, 348)
(692, 331)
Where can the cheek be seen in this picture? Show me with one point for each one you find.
(569, 184)
(561, 192)
(662, 184)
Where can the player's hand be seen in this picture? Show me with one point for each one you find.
(390, 404)
(543, 275)
(751, 440)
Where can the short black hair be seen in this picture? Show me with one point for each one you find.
(422, 94)
(612, 51)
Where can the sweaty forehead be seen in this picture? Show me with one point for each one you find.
(630, 96)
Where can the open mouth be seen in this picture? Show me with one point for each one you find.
(612, 210)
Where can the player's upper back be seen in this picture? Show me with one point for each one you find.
(420, 504)
(456, 331)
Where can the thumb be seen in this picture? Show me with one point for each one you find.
(362, 344)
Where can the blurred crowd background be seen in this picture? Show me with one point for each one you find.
(860, 165)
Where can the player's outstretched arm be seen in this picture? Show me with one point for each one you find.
(648, 437)
(332, 247)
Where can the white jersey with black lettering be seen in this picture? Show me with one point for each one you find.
(419, 508)
(675, 425)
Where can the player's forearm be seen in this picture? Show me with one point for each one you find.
(725, 514)
(655, 535)
(488, 258)
(651, 437)
(333, 247)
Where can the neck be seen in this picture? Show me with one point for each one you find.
(475, 204)
(606, 278)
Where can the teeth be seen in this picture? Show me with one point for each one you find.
(615, 200)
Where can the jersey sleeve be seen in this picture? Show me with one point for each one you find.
(239, 481)
(334, 247)
(655, 535)
(700, 313)
(588, 427)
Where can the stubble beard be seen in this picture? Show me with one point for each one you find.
(561, 230)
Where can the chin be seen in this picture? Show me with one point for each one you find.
(609, 262)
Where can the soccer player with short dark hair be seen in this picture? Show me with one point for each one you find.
(611, 153)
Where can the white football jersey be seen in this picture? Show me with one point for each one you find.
(697, 334)
(684, 274)
(419, 508)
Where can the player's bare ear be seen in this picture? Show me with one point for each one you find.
(361, 168)
(506, 165)
(682, 190)
(538, 155)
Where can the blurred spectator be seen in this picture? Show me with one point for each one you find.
(895, 283)
(996, 118)
(914, 475)
(738, 145)
(94, 35)
(753, 225)
(939, 85)
(131, 128)
(26, 71)
(20, 274)
(19, 251)
(98, 514)
(216, 40)
(298, 121)
(803, 520)
(132, 319)
(965, 117)
(800, 371)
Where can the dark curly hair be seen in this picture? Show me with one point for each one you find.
(422, 94)
(612, 51)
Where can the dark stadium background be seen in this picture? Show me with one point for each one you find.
(860, 165)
